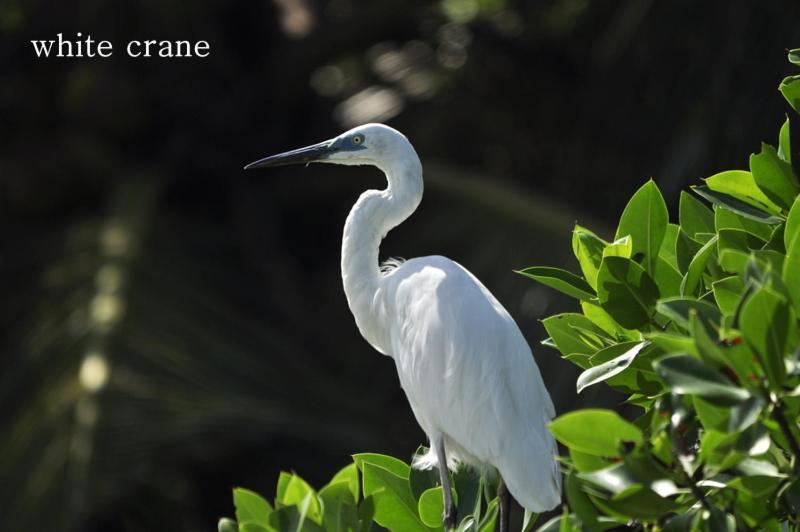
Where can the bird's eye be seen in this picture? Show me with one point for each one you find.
(358, 139)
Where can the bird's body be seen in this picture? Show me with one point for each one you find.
(463, 363)
(470, 377)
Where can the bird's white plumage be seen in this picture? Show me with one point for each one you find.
(470, 377)
(465, 367)
(463, 363)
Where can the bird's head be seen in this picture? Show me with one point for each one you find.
(370, 144)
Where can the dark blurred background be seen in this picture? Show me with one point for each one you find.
(172, 326)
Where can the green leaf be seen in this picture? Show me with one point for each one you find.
(742, 185)
(784, 142)
(724, 451)
(621, 247)
(585, 462)
(728, 293)
(251, 526)
(635, 501)
(604, 321)
(733, 261)
(685, 249)
(774, 177)
(594, 431)
(757, 485)
(297, 492)
(791, 273)
(745, 414)
(348, 474)
(614, 479)
(645, 219)
(420, 480)
(340, 512)
(366, 511)
(563, 329)
(738, 240)
(291, 518)
(467, 487)
(687, 375)
(775, 241)
(765, 321)
(727, 219)
(669, 342)
(790, 88)
(626, 292)
(528, 520)
(667, 251)
(706, 347)
(398, 467)
(792, 230)
(490, 517)
(580, 503)
(431, 507)
(561, 523)
(561, 280)
(667, 278)
(678, 309)
(395, 507)
(711, 416)
(694, 274)
(250, 506)
(608, 369)
(694, 216)
(736, 205)
(588, 249)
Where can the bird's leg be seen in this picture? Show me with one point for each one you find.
(505, 506)
(449, 516)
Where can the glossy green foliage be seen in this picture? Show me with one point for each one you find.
(376, 492)
(698, 324)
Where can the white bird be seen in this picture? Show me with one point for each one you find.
(463, 363)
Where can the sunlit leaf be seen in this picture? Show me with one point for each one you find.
(395, 507)
(561, 280)
(592, 431)
(790, 88)
(340, 513)
(694, 273)
(645, 219)
(774, 177)
(431, 507)
(626, 292)
(687, 375)
(766, 320)
(588, 249)
(737, 205)
(250, 506)
(608, 369)
(694, 216)
(741, 185)
(398, 467)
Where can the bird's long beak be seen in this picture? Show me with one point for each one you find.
(309, 154)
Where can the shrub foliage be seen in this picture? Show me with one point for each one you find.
(695, 321)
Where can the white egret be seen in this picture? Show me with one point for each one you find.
(463, 363)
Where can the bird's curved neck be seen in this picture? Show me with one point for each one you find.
(374, 214)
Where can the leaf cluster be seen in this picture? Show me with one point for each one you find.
(375, 492)
(697, 322)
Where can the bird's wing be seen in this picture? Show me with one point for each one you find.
(470, 376)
